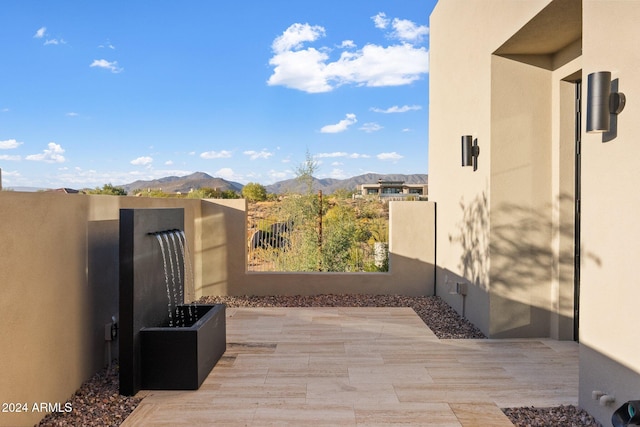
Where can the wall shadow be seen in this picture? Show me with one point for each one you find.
(102, 280)
(522, 261)
(601, 371)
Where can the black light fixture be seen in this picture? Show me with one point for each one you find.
(470, 151)
(602, 102)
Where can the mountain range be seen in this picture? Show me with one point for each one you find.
(182, 184)
(173, 184)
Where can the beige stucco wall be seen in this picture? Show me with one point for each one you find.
(610, 349)
(59, 279)
(59, 284)
(519, 202)
(494, 210)
(508, 229)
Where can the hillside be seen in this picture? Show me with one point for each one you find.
(173, 184)
(329, 185)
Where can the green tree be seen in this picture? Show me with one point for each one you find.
(205, 193)
(254, 192)
(152, 192)
(305, 171)
(230, 194)
(109, 189)
(338, 238)
(343, 193)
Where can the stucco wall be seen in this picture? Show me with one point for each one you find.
(508, 229)
(473, 92)
(610, 349)
(59, 279)
(519, 202)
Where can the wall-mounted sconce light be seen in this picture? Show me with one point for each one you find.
(601, 102)
(470, 151)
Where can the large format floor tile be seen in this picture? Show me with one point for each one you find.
(363, 367)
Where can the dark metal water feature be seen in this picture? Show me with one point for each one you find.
(165, 344)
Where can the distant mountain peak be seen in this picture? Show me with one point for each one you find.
(199, 175)
(184, 184)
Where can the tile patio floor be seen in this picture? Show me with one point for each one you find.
(363, 367)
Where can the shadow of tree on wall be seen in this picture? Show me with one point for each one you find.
(473, 237)
(516, 247)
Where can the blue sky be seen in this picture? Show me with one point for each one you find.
(112, 92)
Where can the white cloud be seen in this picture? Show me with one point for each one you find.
(275, 175)
(389, 156)
(8, 157)
(228, 174)
(78, 177)
(341, 154)
(9, 144)
(409, 31)
(377, 66)
(371, 127)
(309, 69)
(396, 109)
(341, 126)
(40, 33)
(54, 42)
(347, 44)
(142, 161)
(406, 130)
(337, 163)
(107, 45)
(4, 110)
(53, 154)
(294, 36)
(254, 155)
(338, 174)
(72, 114)
(107, 65)
(303, 70)
(380, 20)
(168, 162)
(224, 154)
(334, 154)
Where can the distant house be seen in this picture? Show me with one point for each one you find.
(386, 188)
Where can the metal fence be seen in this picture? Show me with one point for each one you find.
(277, 245)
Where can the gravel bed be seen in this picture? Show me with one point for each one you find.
(97, 402)
(444, 321)
(565, 416)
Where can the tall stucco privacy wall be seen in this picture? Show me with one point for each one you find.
(59, 279)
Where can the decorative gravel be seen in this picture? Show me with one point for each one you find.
(444, 321)
(565, 416)
(97, 402)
